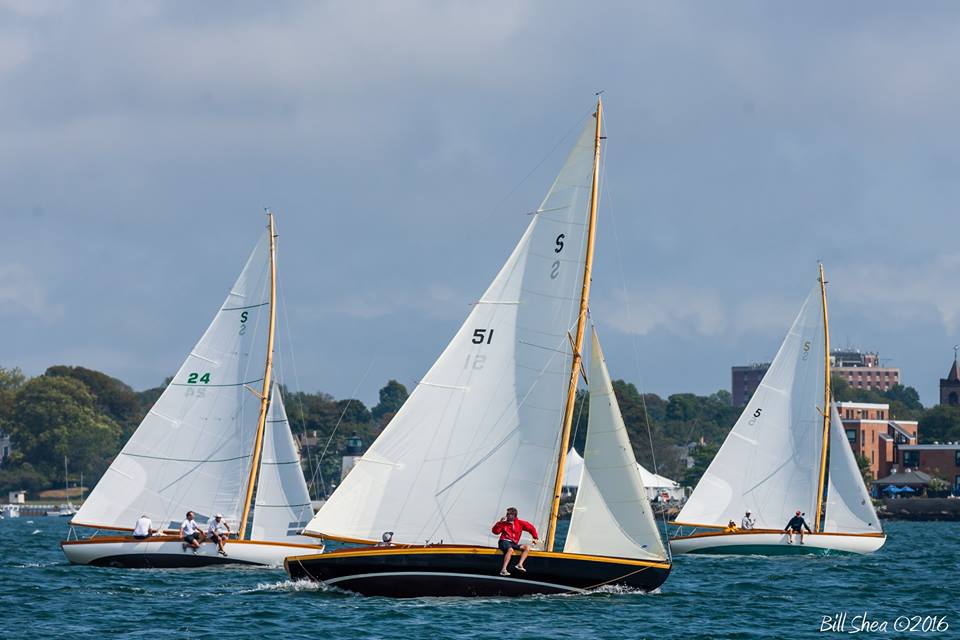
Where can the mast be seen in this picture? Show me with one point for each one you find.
(267, 370)
(826, 401)
(578, 339)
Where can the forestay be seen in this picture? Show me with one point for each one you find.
(481, 431)
(192, 450)
(282, 508)
(770, 462)
(611, 515)
(849, 508)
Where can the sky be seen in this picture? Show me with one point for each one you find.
(401, 146)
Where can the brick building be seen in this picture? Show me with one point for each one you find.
(938, 460)
(950, 386)
(860, 370)
(874, 435)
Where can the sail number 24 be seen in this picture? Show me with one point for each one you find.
(194, 378)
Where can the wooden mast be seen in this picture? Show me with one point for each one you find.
(578, 339)
(267, 371)
(826, 401)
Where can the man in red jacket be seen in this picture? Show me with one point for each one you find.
(510, 528)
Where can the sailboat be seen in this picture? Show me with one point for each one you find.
(67, 509)
(489, 427)
(207, 445)
(786, 453)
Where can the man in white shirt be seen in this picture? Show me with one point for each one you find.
(747, 522)
(219, 531)
(190, 533)
(143, 528)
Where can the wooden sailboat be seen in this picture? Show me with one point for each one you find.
(205, 445)
(787, 452)
(489, 427)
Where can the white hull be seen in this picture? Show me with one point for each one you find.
(168, 552)
(775, 544)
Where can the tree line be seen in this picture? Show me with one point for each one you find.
(87, 416)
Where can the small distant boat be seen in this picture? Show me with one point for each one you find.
(11, 511)
(787, 452)
(64, 510)
(205, 445)
(489, 427)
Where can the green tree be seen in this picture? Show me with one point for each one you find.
(864, 464)
(56, 417)
(112, 397)
(11, 381)
(940, 424)
(702, 457)
(392, 397)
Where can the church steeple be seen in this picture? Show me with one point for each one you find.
(950, 386)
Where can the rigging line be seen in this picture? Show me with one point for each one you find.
(340, 419)
(523, 180)
(312, 463)
(633, 338)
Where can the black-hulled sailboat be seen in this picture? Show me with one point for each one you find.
(489, 427)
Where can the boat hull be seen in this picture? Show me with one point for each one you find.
(470, 571)
(166, 552)
(775, 543)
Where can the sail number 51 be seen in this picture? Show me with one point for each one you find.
(482, 336)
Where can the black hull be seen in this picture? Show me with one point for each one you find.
(163, 561)
(471, 572)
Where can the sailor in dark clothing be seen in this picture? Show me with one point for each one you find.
(796, 525)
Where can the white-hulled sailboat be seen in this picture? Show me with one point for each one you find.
(786, 453)
(217, 433)
(489, 426)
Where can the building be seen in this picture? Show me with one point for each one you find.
(351, 454)
(938, 460)
(950, 386)
(873, 435)
(860, 370)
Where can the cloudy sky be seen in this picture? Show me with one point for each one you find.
(401, 145)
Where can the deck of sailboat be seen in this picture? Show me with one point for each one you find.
(455, 570)
(774, 542)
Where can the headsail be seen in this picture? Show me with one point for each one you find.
(770, 462)
(849, 508)
(481, 431)
(611, 515)
(282, 508)
(192, 450)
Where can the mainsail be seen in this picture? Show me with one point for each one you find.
(193, 449)
(770, 462)
(282, 508)
(481, 430)
(611, 515)
(849, 508)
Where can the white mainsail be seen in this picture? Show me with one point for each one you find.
(849, 508)
(282, 507)
(481, 431)
(611, 515)
(770, 462)
(193, 449)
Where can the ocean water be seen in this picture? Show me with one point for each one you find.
(915, 574)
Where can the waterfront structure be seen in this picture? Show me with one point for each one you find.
(938, 460)
(874, 435)
(353, 452)
(950, 386)
(861, 370)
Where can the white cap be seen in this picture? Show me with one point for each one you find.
(219, 515)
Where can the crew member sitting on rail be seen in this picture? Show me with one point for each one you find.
(386, 540)
(143, 528)
(190, 533)
(731, 527)
(796, 525)
(219, 531)
(747, 522)
(510, 528)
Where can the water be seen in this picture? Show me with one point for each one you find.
(741, 597)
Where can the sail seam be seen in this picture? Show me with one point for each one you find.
(204, 386)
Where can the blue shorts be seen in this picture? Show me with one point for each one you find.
(504, 545)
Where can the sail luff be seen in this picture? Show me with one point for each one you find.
(817, 526)
(578, 340)
(265, 391)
